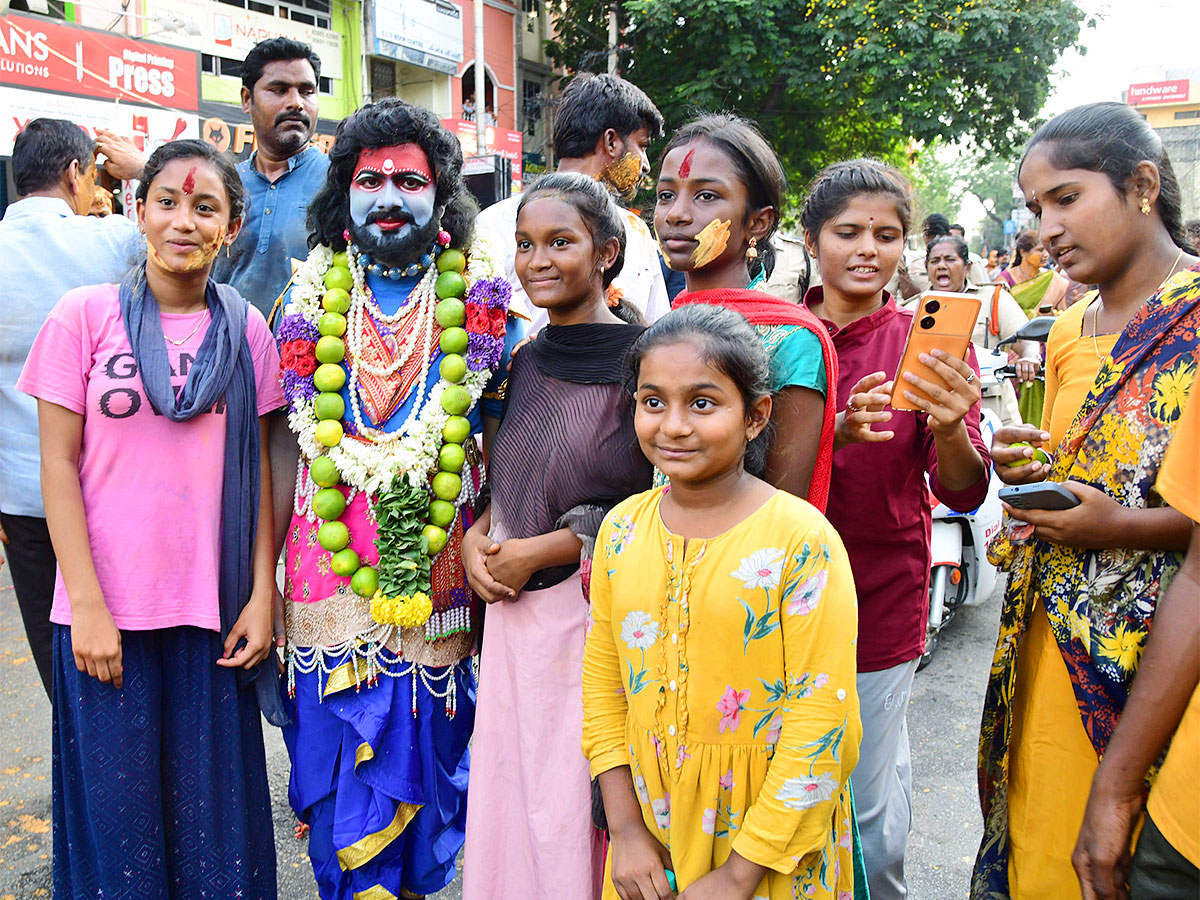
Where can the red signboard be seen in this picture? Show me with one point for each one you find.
(48, 56)
(1151, 92)
(500, 141)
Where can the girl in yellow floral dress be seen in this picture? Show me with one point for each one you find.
(720, 714)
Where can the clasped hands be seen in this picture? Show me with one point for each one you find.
(495, 571)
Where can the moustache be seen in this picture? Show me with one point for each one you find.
(392, 214)
(293, 117)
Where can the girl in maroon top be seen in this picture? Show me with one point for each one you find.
(854, 224)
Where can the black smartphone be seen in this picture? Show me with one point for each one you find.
(1040, 495)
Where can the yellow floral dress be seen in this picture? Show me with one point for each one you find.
(722, 672)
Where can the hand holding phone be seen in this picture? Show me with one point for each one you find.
(1039, 495)
(944, 321)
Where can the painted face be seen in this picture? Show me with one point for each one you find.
(186, 217)
(631, 164)
(700, 211)
(690, 419)
(392, 192)
(946, 269)
(556, 260)
(858, 249)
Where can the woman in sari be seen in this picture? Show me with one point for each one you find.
(1040, 292)
(719, 195)
(1083, 589)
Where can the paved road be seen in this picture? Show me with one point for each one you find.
(943, 717)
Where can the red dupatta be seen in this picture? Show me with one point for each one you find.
(763, 309)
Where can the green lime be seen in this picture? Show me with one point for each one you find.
(436, 538)
(329, 377)
(333, 536)
(329, 405)
(446, 486)
(451, 458)
(344, 563)
(341, 260)
(451, 261)
(456, 400)
(365, 582)
(324, 472)
(450, 313)
(441, 513)
(453, 368)
(454, 340)
(1039, 455)
(329, 432)
(450, 284)
(456, 430)
(332, 323)
(339, 277)
(336, 300)
(328, 503)
(331, 349)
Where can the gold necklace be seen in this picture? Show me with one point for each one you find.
(184, 340)
(1096, 317)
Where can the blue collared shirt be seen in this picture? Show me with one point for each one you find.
(274, 230)
(45, 251)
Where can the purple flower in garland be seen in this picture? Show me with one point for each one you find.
(296, 328)
(494, 293)
(483, 352)
(297, 387)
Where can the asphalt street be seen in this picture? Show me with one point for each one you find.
(943, 721)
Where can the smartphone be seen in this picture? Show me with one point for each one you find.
(943, 321)
(1040, 495)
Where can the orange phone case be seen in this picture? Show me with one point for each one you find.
(944, 321)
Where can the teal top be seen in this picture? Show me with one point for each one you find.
(796, 358)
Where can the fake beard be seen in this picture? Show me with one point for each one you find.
(396, 249)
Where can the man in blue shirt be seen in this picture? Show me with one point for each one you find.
(279, 93)
(48, 245)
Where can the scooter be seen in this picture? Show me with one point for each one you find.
(960, 574)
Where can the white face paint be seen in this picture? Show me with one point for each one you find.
(392, 192)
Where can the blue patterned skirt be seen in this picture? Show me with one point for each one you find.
(160, 788)
(379, 774)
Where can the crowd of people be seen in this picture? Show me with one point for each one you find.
(525, 494)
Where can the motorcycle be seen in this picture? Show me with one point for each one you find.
(960, 574)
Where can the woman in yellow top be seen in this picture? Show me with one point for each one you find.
(1082, 592)
(720, 713)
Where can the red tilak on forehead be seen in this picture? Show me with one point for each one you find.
(189, 183)
(685, 168)
(390, 160)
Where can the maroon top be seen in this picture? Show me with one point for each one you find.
(878, 500)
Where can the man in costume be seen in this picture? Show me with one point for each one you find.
(602, 128)
(392, 344)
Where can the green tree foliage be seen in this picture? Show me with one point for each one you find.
(936, 174)
(827, 79)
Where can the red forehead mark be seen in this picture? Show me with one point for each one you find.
(685, 167)
(189, 183)
(390, 160)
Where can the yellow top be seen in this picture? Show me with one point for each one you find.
(1072, 361)
(722, 671)
(1175, 800)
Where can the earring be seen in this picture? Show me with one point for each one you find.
(1145, 207)
(752, 250)
(227, 251)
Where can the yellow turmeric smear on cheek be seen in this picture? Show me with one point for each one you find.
(711, 242)
(625, 173)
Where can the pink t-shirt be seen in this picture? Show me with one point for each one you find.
(151, 487)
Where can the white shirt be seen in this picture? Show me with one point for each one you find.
(640, 279)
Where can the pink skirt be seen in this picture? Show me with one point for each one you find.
(529, 822)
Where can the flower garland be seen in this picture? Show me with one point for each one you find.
(412, 476)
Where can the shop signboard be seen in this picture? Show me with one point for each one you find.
(500, 141)
(426, 33)
(231, 32)
(49, 56)
(1150, 93)
(227, 128)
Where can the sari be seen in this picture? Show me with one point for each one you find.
(1100, 603)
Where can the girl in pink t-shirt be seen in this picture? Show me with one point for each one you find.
(157, 496)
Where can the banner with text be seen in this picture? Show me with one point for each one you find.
(48, 56)
(1151, 92)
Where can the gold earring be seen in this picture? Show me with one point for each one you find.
(1145, 207)
(752, 250)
